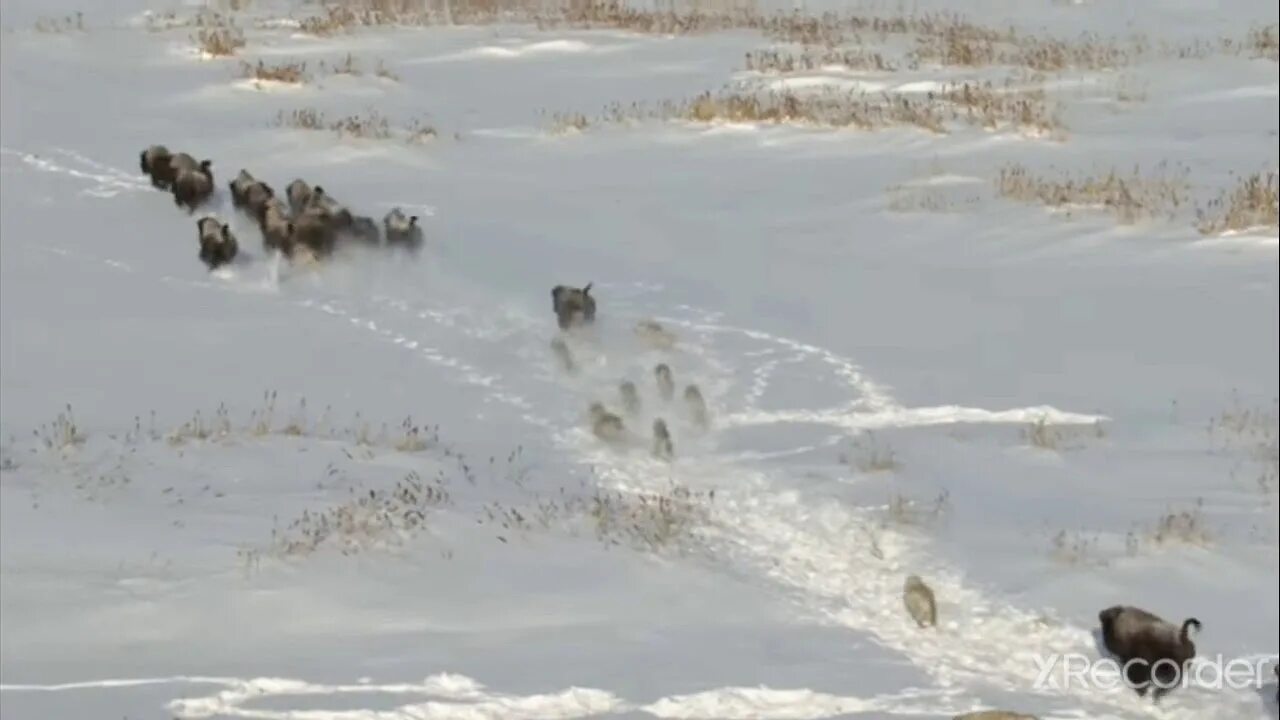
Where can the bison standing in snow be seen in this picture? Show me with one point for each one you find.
(573, 305)
(402, 230)
(250, 195)
(298, 193)
(315, 229)
(154, 162)
(192, 187)
(277, 228)
(218, 245)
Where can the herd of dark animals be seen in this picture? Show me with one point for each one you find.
(1152, 651)
(576, 306)
(308, 224)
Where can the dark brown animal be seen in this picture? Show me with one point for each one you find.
(250, 195)
(315, 229)
(1151, 649)
(239, 185)
(192, 187)
(573, 306)
(321, 199)
(218, 245)
(402, 230)
(364, 231)
(154, 162)
(182, 161)
(277, 228)
(299, 195)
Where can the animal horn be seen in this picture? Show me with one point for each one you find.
(587, 289)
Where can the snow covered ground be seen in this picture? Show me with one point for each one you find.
(1042, 412)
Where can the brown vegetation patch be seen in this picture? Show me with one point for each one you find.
(288, 72)
(1252, 204)
(1129, 197)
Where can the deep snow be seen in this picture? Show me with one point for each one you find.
(139, 577)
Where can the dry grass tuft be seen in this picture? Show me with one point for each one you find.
(781, 61)
(1130, 198)
(564, 123)
(302, 119)
(293, 73)
(993, 107)
(1251, 205)
(926, 198)
(335, 19)
(262, 423)
(616, 15)
(349, 65)
(198, 429)
(1041, 54)
(1264, 42)
(419, 130)
(904, 511)
(1187, 527)
(649, 521)
(1246, 427)
(1040, 434)
(1260, 42)
(833, 29)
(65, 24)
(372, 519)
(62, 435)
(980, 105)
(219, 41)
(1076, 549)
(384, 72)
(370, 125)
(868, 455)
(974, 104)
(1252, 435)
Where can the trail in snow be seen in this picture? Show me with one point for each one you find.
(107, 181)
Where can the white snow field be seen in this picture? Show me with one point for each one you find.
(365, 490)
